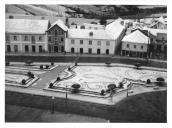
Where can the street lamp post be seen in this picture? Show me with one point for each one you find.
(53, 105)
(66, 100)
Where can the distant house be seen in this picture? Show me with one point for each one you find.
(56, 36)
(160, 23)
(24, 35)
(159, 43)
(135, 44)
(93, 41)
(92, 26)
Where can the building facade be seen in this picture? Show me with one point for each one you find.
(135, 44)
(56, 37)
(95, 41)
(26, 36)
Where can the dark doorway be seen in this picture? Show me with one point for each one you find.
(33, 48)
(15, 48)
(81, 50)
(26, 48)
(40, 48)
(62, 49)
(55, 48)
(8, 48)
(107, 51)
(90, 51)
(98, 51)
(72, 50)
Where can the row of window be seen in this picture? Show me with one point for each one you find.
(25, 38)
(134, 46)
(26, 48)
(89, 50)
(55, 39)
(90, 42)
(56, 32)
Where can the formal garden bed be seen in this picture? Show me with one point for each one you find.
(96, 80)
(20, 78)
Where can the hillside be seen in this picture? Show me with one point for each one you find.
(87, 11)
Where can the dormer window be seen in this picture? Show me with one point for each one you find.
(91, 33)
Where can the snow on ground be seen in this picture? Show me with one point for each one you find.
(96, 78)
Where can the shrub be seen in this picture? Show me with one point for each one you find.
(28, 62)
(148, 81)
(51, 85)
(160, 79)
(23, 82)
(29, 74)
(32, 75)
(58, 78)
(102, 92)
(41, 66)
(76, 63)
(121, 85)
(75, 88)
(69, 69)
(111, 86)
(47, 66)
(52, 63)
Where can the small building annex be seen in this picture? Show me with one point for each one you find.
(135, 44)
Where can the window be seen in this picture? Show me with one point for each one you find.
(90, 42)
(99, 43)
(55, 38)
(163, 38)
(91, 33)
(49, 39)
(107, 43)
(81, 50)
(141, 47)
(81, 41)
(128, 45)
(62, 39)
(25, 38)
(134, 46)
(15, 38)
(55, 32)
(40, 38)
(33, 39)
(7, 38)
(72, 41)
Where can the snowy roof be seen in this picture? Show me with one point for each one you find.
(115, 29)
(136, 37)
(27, 26)
(155, 31)
(85, 34)
(59, 23)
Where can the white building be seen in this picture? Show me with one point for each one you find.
(93, 41)
(24, 35)
(135, 44)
